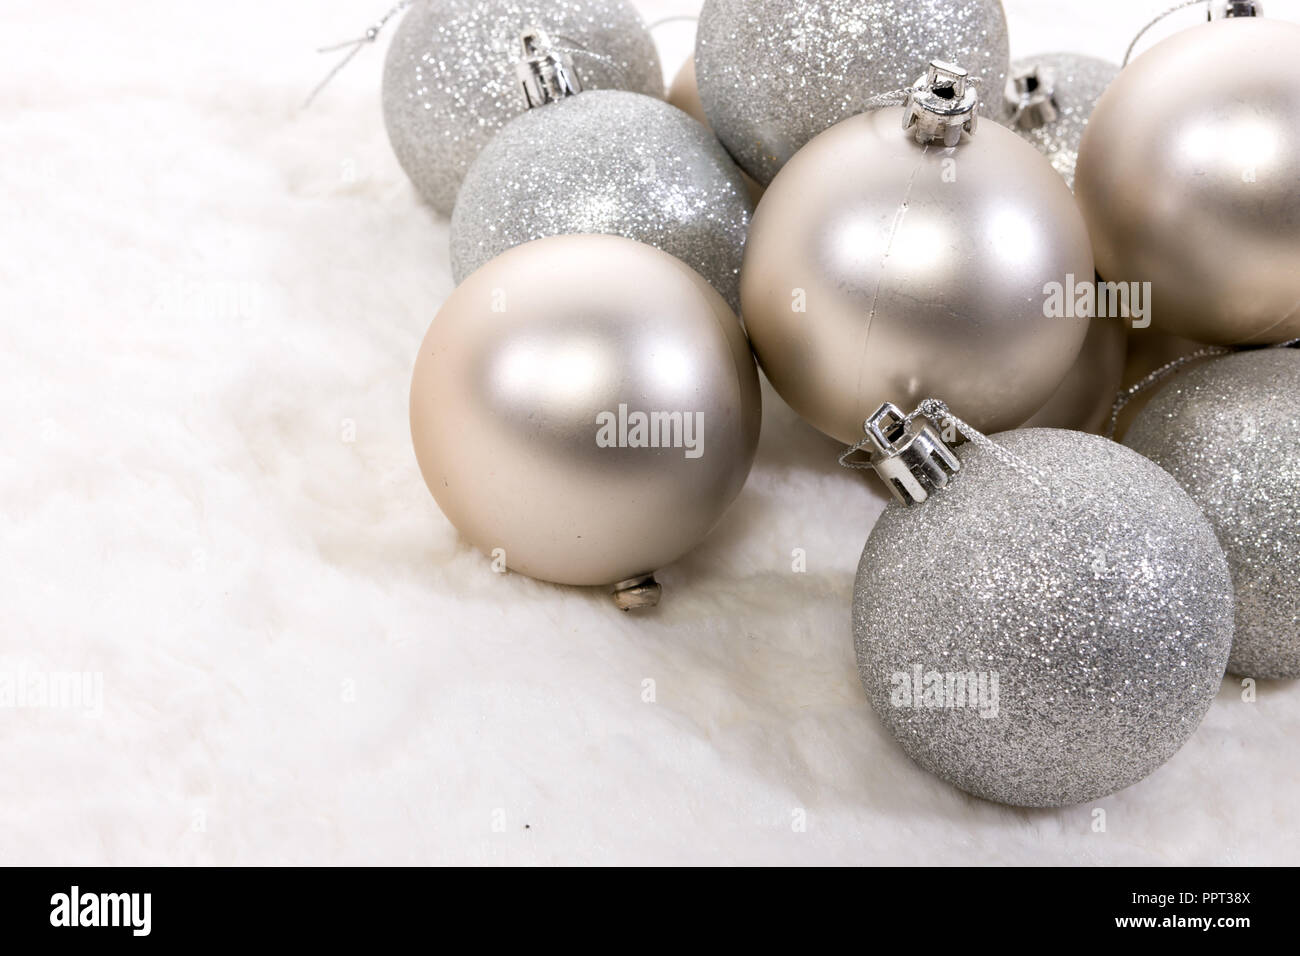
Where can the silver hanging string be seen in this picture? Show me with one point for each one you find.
(882, 100)
(1155, 378)
(577, 49)
(1128, 54)
(1159, 375)
(353, 47)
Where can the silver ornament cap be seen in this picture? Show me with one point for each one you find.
(941, 105)
(908, 454)
(1031, 96)
(1050, 98)
(545, 73)
(1235, 9)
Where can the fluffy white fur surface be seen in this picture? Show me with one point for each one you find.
(211, 304)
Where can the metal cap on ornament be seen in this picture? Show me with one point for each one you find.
(941, 105)
(545, 72)
(1237, 8)
(907, 453)
(1030, 97)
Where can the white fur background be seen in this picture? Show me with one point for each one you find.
(205, 294)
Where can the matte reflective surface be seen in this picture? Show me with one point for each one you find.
(1189, 177)
(511, 381)
(920, 272)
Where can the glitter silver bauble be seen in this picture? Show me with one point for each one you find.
(1084, 400)
(877, 268)
(774, 73)
(449, 81)
(1189, 178)
(1050, 98)
(1229, 432)
(606, 162)
(1044, 646)
(586, 404)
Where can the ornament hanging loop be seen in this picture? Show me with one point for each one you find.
(545, 72)
(941, 105)
(907, 453)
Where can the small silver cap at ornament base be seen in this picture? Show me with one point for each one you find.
(637, 593)
(941, 104)
(1031, 97)
(908, 454)
(1237, 8)
(546, 73)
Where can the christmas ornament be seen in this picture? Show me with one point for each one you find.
(877, 266)
(607, 162)
(1084, 399)
(1189, 178)
(449, 84)
(684, 94)
(588, 405)
(1049, 99)
(1042, 618)
(773, 74)
(1229, 432)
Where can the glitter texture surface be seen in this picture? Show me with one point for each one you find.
(1229, 432)
(1104, 608)
(449, 81)
(613, 163)
(1079, 83)
(773, 74)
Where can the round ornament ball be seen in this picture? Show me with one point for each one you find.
(608, 162)
(1189, 178)
(1229, 432)
(1050, 98)
(879, 268)
(773, 74)
(684, 93)
(588, 405)
(449, 83)
(1084, 399)
(1043, 643)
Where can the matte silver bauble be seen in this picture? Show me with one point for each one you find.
(586, 404)
(1050, 98)
(879, 269)
(773, 73)
(606, 162)
(1229, 432)
(1084, 400)
(1044, 646)
(449, 81)
(1189, 178)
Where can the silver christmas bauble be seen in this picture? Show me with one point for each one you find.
(773, 74)
(1229, 432)
(880, 269)
(586, 404)
(449, 81)
(1050, 97)
(606, 162)
(1189, 178)
(1044, 646)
